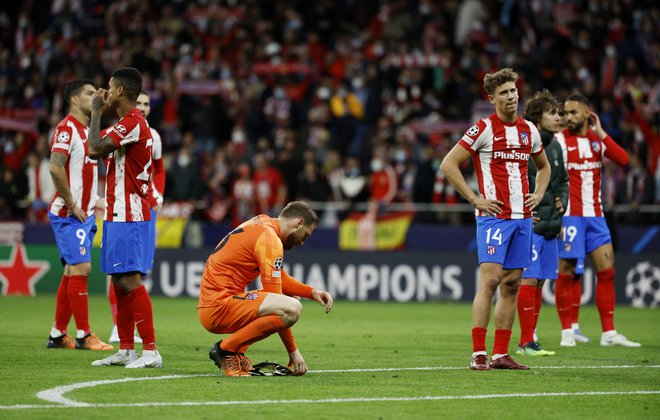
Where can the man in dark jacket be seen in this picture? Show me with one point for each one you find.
(543, 111)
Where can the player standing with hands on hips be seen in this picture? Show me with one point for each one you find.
(500, 146)
(125, 247)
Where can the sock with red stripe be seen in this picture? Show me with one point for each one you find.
(112, 298)
(526, 308)
(478, 339)
(144, 317)
(576, 290)
(125, 320)
(77, 293)
(501, 344)
(605, 298)
(563, 298)
(62, 307)
(538, 302)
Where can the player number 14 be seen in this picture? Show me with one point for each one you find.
(496, 236)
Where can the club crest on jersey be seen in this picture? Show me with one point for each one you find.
(252, 296)
(567, 246)
(278, 263)
(63, 137)
(490, 249)
(595, 146)
(524, 138)
(473, 131)
(83, 251)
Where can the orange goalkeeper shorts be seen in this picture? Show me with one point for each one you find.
(232, 313)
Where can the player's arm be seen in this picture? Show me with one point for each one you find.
(293, 287)
(97, 146)
(532, 200)
(61, 182)
(613, 151)
(451, 167)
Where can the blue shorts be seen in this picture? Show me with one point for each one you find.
(152, 239)
(125, 247)
(74, 239)
(504, 241)
(545, 259)
(582, 235)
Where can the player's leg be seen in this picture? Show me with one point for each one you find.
(85, 337)
(576, 293)
(526, 299)
(59, 337)
(603, 260)
(571, 249)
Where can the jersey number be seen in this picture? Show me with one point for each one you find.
(569, 232)
(81, 234)
(226, 238)
(496, 236)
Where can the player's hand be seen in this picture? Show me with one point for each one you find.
(490, 207)
(535, 217)
(532, 200)
(558, 206)
(78, 213)
(324, 298)
(594, 124)
(298, 364)
(100, 100)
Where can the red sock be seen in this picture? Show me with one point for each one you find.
(563, 298)
(576, 289)
(538, 302)
(113, 303)
(77, 293)
(526, 308)
(478, 339)
(62, 307)
(125, 320)
(144, 317)
(256, 330)
(605, 298)
(502, 339)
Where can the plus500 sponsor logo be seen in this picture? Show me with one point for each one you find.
(511, 155)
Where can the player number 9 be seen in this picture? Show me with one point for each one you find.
(80, 234)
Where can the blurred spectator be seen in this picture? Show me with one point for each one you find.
(40, 185)
(312, 186)
(635, 188)
(243, 196)
(184, 174)
(270, 189)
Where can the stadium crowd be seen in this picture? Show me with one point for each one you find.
(261, 102)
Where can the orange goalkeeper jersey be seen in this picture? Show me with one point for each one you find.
(254, 248)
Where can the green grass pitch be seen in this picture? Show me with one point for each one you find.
(359, 358)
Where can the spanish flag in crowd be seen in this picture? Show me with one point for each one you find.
(368, 231)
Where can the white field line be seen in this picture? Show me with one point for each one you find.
(56, 395)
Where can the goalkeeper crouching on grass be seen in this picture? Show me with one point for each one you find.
(256, 247)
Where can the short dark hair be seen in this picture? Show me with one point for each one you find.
(300, 209)
(578, 97)
(493, 80)
(541, 102)
(130, 79)
(73, 88)
(144, 92)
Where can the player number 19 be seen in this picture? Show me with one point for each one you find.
(569, 231)
(497, 236)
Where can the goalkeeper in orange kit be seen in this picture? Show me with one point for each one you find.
(256, 248)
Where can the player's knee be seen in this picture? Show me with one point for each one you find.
(82, 269)
(292, 312)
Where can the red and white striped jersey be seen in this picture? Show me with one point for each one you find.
(583, 160)
(128, 183)
(156, 197)
(70, 138)
(501, 153)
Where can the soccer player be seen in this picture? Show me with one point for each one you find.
(125, 246)
(500, 146)
(584, 231)
(156, 201)
(71, 215)
(256, 247)
(543, 110)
